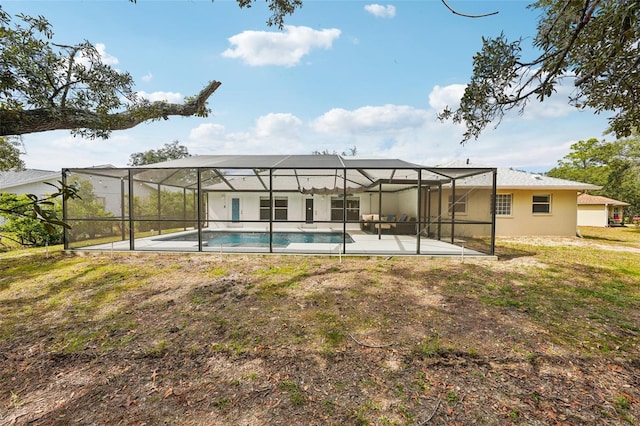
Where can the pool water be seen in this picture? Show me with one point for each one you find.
(261, 239)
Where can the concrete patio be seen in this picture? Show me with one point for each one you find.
(364, 244)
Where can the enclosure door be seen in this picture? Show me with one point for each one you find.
(309, 210)
(235, 209)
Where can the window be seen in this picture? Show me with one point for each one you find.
(280, 210)
(503, 204)
(541, 204)
(353, 209)
(264, 208)
(460, 205)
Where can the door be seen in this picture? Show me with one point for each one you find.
(309, 210)
(235, 209)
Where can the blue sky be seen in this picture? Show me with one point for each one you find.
(342, 74)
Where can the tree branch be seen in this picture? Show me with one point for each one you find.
(455, 12)
(45, 119)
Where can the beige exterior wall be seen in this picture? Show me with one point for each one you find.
(561, 221)
(476, 206)
(592, 215)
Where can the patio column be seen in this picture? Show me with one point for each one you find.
(439, 210)
(65, 235)
(453, 209)
(380, 210)
(271, 207)
(184, 209)
(493, 212)
(122, 211)
(199, 206)
(419, 222)
(159, 208)
(428, 212)
(344, 210)
(131, 210)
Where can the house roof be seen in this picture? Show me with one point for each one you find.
(284, 162)
(508, 178)
(598, 199)
(11, 179)
(304, 173)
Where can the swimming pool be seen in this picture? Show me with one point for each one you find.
(259, 239)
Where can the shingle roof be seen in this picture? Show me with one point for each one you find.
(598, 199)
(517, 179)
(12, 179)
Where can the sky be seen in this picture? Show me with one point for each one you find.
(341, 75)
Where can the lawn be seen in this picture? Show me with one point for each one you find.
(548, 334)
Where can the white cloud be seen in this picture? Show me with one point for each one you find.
(384, 119)
(206, 131)
(260, 48)
(441, 97)
(272, 133)
(555, 106)
(171, 97)
(278, 125)
(387, 131)
(106, 57)
(147, 77)
(380, 11)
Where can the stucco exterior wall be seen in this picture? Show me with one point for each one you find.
(561, 220)
(219, 208)
(37, 188)
(478, 208)
(592, 215)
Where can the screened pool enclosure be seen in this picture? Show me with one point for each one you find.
(323, 204)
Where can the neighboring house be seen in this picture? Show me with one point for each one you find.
(526, 203)
(596, 210)
(30, 181)
(37, 182)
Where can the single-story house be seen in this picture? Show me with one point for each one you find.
(29, 181)
(269, 193)
(596, 210)
(38, 183)
(355, 195)
(529, 203)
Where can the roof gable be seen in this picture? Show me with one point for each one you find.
(599, 199)
(12, 179)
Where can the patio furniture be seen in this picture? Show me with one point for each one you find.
(386, 224)
(367, 221)
(408, 226)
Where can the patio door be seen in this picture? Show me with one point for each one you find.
(235, 209)
(309, 210)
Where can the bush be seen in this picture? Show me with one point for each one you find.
(22, 226)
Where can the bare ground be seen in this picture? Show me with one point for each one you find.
(262, 340)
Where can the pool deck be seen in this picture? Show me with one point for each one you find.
(364, 244)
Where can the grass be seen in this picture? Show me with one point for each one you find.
(202, 334)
